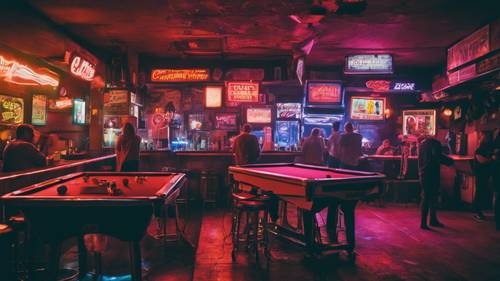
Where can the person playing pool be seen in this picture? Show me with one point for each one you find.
(21, 154)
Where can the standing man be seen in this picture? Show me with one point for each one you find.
(333, 146)
(484, 158)
(21, 154)
(430, 157)
(350, 148)
(246, 147)
(313, 148)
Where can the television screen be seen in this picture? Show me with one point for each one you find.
(367, 108)
(259, 115)
(226, 121)
(419, 122)
(39, 110)
(323, 93)
(79, 112)
(11, 110)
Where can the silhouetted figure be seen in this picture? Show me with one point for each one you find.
(128, 147)
(21, 154)
(246, 147)
(484, 161)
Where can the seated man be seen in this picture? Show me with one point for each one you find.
(21, 154)
(386, 148)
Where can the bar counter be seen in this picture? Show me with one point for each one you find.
(15, 180)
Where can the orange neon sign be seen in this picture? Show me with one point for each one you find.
(14, 72)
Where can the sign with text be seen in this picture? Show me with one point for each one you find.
(324, 93)
(82, 68)
(39, 110)
(11, 110)
(226, 121)
(288, 110)
(367, 108)
(419, 122)
(242, 92)
(471, 47)
(116, 102)
(60, 104)
(368, 64)
(180, 75)
(259, 115)
(213, 97)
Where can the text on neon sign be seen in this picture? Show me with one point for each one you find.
(82, 68)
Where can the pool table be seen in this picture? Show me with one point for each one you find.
(88, 205)
(311, 188)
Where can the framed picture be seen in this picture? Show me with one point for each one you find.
(39, 110)
(367, 108)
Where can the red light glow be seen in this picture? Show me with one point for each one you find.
(17, 73)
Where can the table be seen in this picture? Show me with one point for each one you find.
(88, 208)
(309, 187)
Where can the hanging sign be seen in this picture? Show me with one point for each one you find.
(368, 64)
(11, 110)
(39, 110)
(82, 68)
(324, 93)
(116, 102)
(13, 72)
(242, 92)
(471, 47)
(180, 75)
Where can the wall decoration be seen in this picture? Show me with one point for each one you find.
(60, 104)
(226, 121)
(79, 111)
(259, 115)
(242, 92)
(11, 110)
(116, 102)
(14, 72)
(419, 122)
(368, 64)
(180, 75)
(323, 93)
(213, 96)
(82, 68)
(367, 108)
(39, 110)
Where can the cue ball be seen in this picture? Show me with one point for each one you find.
(125, 182)
(328, 176)
(61, 190)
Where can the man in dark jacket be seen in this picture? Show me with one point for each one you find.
(21, 154)
(430, 157)
(246, 147)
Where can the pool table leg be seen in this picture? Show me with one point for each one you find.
(135, 260)
(54, 255)
(348, 208)
(82, 257)
(308, 224)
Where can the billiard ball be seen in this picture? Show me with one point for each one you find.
(111, 188)
(125, 182)
(95, 181)
(62, 189)
(328, 176)
(85, 178)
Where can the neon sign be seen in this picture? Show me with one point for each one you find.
(179, 75)
(82, 68)
(367, 64)
(404, 86)
(242, 91)
(378, 85)
(14, 72)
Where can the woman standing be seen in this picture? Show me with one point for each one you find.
(127, 150)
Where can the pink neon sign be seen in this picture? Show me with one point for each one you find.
(14, 72)
(82, 68)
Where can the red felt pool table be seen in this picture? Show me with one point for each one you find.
(86, 207)
(311, 188)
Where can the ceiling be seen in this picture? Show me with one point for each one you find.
(416, 32)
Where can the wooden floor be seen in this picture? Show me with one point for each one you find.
(390, 246)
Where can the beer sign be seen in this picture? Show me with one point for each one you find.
(180, 75)
(82, 68)
(246, 92)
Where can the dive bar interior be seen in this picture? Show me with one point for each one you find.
(249, 140)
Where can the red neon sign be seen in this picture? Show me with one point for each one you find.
(82, 68)
(378, 85)
(14, 72)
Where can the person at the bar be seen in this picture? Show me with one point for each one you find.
(350, 148)
(484, 157)
(333, 146)
(246, 147)
(128, 149)
(385, 148)
(21, 153)
(430, 157)
(313, 148)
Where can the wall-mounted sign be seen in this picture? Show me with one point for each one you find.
(59, 104)
(288, 110)
(13, 72)
(488, 64)
(82, 68)
(213, 96)
(367, 108)
(11, 110)
(259, 115)
(419, 122)
(116, 102)
(180, 75)
(79, 112)
(368, 64)
(39, 110)
(403, 86)
(226, 121)
(471, 47)
(323, 93)
(242, 92)
(378, 85)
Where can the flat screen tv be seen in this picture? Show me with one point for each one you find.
(323, 94)
(259, 115)
(367, 108)
(79, 112)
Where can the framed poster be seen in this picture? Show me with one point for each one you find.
(213, 96)
(226, 121)
(116, 102)
(422, 121)
(79, 112)
(367, 108)
(259, 115)
(11, 110)
(323, 93)
(39, 110)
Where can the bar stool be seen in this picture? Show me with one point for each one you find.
(251, 206)
(18, 225)
(6, 238)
